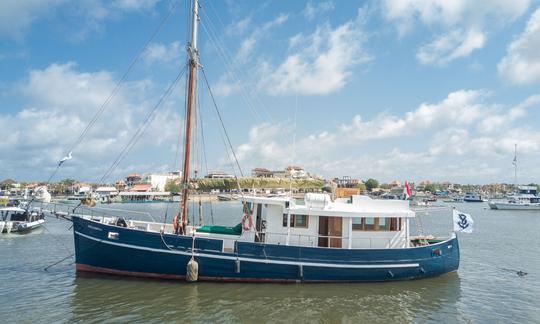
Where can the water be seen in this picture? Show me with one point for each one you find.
(486, 289)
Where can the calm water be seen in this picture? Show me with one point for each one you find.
(486, 288)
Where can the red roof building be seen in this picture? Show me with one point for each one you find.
(141, 188)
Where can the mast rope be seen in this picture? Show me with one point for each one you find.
(118, 85)
(221, 121)
(249, 97)
(140, 131)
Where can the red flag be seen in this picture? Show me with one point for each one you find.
(407, 190)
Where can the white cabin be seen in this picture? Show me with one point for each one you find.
(359, 222)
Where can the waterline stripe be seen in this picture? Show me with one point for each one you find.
(266, 261)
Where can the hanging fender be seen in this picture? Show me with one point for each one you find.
(247, 222)
(175, 224)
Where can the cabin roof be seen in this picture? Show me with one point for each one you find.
(361, 206)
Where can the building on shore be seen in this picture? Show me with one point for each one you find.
(292, 171)
(347, 182)
(133, 179)
(219, 175)
(158, 181)
(107, 191)
(262, 173)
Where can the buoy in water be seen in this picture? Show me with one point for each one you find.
(192, 271)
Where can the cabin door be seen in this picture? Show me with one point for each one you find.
(330, 226)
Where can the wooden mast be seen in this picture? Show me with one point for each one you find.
(191, 93)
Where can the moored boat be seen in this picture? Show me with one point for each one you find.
(277, 239)
(525, 199)
(15, 219)
(473, 197)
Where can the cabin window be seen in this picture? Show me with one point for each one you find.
(369, 223)
(384, 224)
(375, 224)
(357, 223)
(300, 221)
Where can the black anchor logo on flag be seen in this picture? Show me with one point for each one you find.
(462, 223)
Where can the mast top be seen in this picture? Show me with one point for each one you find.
(192, 45)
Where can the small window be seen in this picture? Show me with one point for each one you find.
(296, 221)
(384, 224)
(357, 224)
(301, 221)
(369, 224)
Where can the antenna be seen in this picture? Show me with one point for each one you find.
(514, 162)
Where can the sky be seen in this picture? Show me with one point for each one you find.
(392, 89)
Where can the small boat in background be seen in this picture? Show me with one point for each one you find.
(473, 197)
(15, 219)
(525, 199)
(227, 197)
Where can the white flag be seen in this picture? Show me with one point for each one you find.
(462, 222)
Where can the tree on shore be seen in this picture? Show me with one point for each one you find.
(361, 186)
(258, 183)
(431, 187)
(371, 184)
(172, 186)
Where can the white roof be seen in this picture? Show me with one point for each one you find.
(361, 206)
(106, 189)
(145, 193)
(267, 200)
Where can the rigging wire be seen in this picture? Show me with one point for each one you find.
(118, 85)
(221, 121)
(204, 157)
(251, 98)
(140, 131)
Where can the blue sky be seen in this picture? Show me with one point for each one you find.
(392, 89)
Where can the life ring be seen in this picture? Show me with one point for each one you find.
(175, 224)
(247, 222)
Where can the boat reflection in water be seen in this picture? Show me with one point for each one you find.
(100, 298)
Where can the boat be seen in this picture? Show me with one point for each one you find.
(144, 197)
(42, 195)
(277, 239)
(226, 197)
(525, 199)
(15, 219)
(473, 197)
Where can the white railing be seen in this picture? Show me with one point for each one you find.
(63, 209)
(397, 241)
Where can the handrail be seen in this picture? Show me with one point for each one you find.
(297, 239)
(84, 210)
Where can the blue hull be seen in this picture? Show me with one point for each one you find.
(146, 254)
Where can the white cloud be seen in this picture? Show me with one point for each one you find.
(163, 53)
(313, 10)
(248, 44)
(521, 64)
(319, 63)
(463, 24)
(462, 107)
(238, 27)
(455, 137)
(59, 102)
(228, 83)
(136, 4)
(16, 16)
(448, 47)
